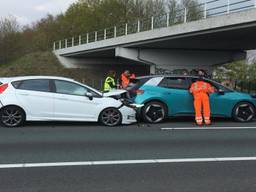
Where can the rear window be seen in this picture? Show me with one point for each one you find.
(16, 84)
(42, 85)
(137, 83)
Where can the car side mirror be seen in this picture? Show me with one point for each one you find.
(221, 92)
(89, 95)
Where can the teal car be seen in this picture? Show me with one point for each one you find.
(169, 96)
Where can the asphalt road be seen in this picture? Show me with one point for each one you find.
(194, 157)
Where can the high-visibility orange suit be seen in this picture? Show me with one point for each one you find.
(201, 91)
(126, 80)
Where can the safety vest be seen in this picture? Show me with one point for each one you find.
(110, 81)
(201, 87)
(125, 80)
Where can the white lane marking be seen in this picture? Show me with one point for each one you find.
(206, 128)
(125, 162)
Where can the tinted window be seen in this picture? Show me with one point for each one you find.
(65, 87)
(33, 85)
(216, 85)
(135, 84)
(16, 84)
(174, 82)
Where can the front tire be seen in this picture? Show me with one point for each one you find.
(110, 117)
(154, 112)
(243, 112)
(12, 116)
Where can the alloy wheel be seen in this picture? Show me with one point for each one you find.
(244, 112)
(12, 116)
(111, 117)
(154, 113)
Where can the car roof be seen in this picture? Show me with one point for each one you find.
(153, 76)
(181, 76)
(18, 78)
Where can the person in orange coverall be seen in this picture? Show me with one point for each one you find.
(125, 78)
(201, 90)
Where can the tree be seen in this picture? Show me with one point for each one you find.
(9, 39)
(194, 9)
(86, 16)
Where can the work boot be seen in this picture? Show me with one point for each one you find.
(207, 122)
(199, 121)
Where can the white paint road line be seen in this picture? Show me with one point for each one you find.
(206, 128)
(126, 162)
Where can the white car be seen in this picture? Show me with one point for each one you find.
(45, 98)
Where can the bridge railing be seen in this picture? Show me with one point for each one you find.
(187, 14)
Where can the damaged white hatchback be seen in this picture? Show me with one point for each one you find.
(46, 98)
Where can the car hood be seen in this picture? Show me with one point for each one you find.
(114, 92)
(243, 95)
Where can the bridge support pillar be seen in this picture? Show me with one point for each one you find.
(167, 60)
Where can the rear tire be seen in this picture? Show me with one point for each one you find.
(12, 116)
(243, 112)
(154, 112)
(110, 117)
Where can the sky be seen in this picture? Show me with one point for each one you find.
(29, 11)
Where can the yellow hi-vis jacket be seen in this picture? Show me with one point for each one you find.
(109, 84)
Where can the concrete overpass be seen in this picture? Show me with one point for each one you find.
(213, 40)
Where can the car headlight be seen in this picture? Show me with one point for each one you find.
(253, 96)
(129, 103)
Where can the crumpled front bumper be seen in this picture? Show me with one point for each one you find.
(128, 115)
(130, 112)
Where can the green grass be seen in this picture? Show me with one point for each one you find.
(46, 63)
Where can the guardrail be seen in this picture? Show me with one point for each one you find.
(205, 10)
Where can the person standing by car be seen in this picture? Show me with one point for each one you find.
(201, 90)
(110, 81)
(125, 78)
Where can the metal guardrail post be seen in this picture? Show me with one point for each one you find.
(167, 19)
(228, 7)
(66, 43)
(73, 41)
(87, 37)
(205, 9)
(152, 23)
(80, 40)
(105, 34)
(115, 32)
(138, 26)
(185, 15)
(96, 35)
(126, 29)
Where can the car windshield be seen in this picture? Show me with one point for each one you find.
(220, 86)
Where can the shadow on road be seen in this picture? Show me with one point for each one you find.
(172, 122)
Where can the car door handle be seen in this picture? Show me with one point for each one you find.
(24, 94)
(64, 99)
(167, 93)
